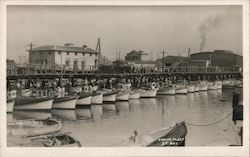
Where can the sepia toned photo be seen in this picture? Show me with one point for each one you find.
(130, 76)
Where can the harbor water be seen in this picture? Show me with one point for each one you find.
(110, 124)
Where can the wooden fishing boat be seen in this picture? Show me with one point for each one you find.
(122, 96)
(109, 95)
(10, 105)
(174, 136)
(84, 99)
(203, 85)
(134, 94)
(57, 140)
(219, 84)
(97, 98)
(190, 88)
(33, 103)
(66, 102)
(197, 87)
(166, 91)
(212, 86)
(32, 127)
(171, 136)
(26, 92)
(148, 93)
(181, 89)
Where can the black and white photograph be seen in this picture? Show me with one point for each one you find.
(121, 76)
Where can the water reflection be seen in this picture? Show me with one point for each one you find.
(134, 105)
(148, 103)
(190, 100)
(83, 113)
(122, 106)
(109, 108)
(64, 114)
(180, 100)
(96, 112)
(19, 114)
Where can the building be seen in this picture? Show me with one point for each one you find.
(220, 58)
(69, 57)
(11, 66)
(170, 61)
(136, 56)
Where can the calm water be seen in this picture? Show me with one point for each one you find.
(109, 124)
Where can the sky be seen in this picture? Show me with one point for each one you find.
(153, 29)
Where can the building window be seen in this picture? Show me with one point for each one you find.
(83, 64)
(59, 52)
(83, 53)
(75, 53)
(67, 62)
(67, 53)
(75, 65)
(90, 54)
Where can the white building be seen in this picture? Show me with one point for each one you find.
(69, 57)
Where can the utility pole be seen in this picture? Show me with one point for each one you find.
(163, 60)
(31, 48)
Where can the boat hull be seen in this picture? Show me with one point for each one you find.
(175, 137)
(65, 103)
(97, 99)
(197, 88)
(84, 101)
(30, 128)
(109, 98)
(134, 95)
(212, 86)
(190, 89)
(10, 105)
(166, 91)
(151, 93)
(41, 105)
(122, 96)
(181, 90)
(203, 86)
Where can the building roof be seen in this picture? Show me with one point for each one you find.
(63, 48)
(215, 51)
(141, 62)
(140, 52)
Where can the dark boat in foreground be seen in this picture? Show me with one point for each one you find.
(172, 136)
(57, 140)
(32, 127)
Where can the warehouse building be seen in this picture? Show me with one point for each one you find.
(220, 58)
(69, 57)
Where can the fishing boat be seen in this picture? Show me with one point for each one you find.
(26, 92)
(212, 86)
(84, 99)
(66, 102)
(97, 98)
(33, 103)
(203, 85)
(166, 91)
(134, 94)
(176, 136)
(197, 87)
(171, 136)
(32, 127)
(57, 140)
(181, 89)
(109, 95)
(10, 105)
(219, 84)
(190, 88)
(11, 95)
(122, 95)
(148, 93)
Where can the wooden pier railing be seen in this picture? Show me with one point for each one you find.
(26, 71)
